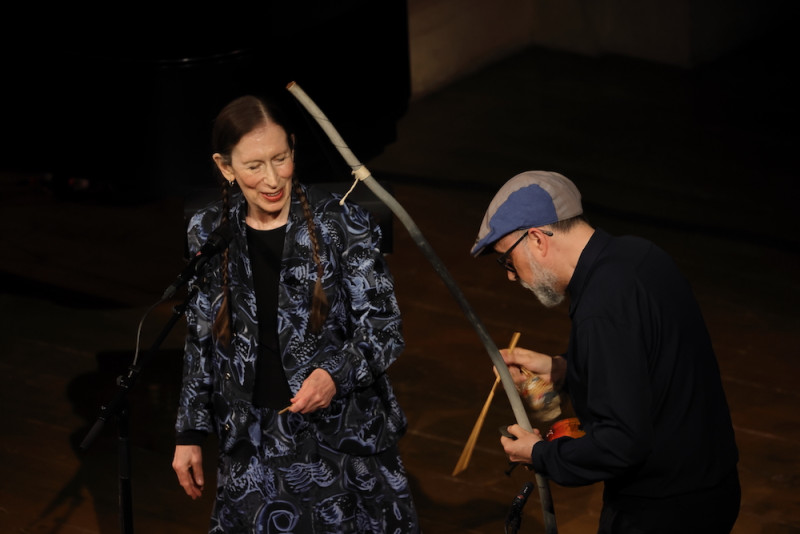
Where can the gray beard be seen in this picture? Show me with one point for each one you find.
(545, 286)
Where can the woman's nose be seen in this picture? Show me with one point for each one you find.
(271, 176)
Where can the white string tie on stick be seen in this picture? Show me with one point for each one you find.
(361, 173)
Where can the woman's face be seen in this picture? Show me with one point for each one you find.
(262, 163)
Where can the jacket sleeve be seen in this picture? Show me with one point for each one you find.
(194, 414)
(369, 305)
(619, 430)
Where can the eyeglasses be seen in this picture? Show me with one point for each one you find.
(505, 258)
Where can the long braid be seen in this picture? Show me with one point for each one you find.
(222, 324)
(319, 303)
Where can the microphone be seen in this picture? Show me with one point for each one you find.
(217, 242)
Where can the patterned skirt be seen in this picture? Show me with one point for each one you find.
(282, 479)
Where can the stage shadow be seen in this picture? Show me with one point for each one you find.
(105, 469)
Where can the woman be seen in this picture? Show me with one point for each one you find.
(290, 333)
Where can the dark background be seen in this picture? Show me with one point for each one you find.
(124, 98)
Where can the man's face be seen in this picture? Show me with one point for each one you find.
(521, 265)
(544, 283)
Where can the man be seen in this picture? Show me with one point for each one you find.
(639, 366)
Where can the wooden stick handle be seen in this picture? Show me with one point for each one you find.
(466, 454)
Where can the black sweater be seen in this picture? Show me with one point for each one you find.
(644, 381)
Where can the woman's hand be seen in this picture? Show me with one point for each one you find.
(188, 465)
(315, 393)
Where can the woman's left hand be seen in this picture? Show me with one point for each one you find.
(315, 393)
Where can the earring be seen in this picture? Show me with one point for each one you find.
(231, 182)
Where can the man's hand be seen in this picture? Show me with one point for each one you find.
(535, 362)
(188, 465)
(520, 449)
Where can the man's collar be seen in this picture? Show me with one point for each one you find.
(588, 256)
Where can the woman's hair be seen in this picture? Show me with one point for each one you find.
(241, 117)
(237, 119)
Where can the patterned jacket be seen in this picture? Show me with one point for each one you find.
(360, 339)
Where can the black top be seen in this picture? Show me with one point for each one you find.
(643, 378)
(271, 389)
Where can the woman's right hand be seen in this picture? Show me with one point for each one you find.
(188, 465)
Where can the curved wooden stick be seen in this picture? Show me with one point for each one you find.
(466, 454)
(364, 175)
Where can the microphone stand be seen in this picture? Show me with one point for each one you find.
(514, 518)
(120, 408)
